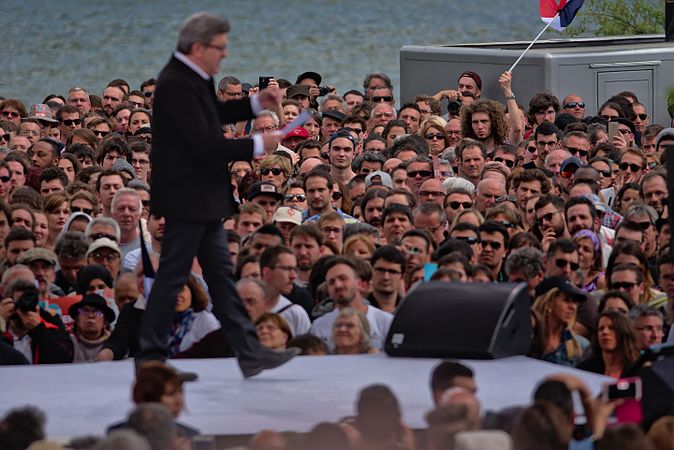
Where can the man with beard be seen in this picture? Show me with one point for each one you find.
(495, 240)
(305, 241)
(372, 206)
(343, 287)
(550, 224)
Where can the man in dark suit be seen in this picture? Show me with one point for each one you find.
(191, 189)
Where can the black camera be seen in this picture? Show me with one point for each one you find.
(27, 302)
(454, 108)
(324, 90)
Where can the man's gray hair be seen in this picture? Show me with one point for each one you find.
(10, 273)
(126, 191)
(200, 27)
(267, 113)
(641, 209)
(329, 97)
(259, 283)
(639, 311)
(528, 259)
(567, 155)
(123, 440)
(226, 81)
(154, 422)
(104, 221)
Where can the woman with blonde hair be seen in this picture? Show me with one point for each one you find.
(359, 246)
(556, 305)
(471, 216)
(276, 170)
(433, 130)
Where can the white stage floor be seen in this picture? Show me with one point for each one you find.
(82, 399)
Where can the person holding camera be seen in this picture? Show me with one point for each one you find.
(37, 334)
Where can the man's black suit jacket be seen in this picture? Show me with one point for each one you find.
(190, 180)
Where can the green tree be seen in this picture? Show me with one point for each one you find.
(619, 18)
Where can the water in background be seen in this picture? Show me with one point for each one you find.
(48, 47)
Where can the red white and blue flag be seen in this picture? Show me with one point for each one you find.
(567, 10)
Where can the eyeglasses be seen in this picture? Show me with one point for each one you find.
(291, 197)
(220, 48)
(562, 263)
(97, 236)
(101, 133)
(266, 129)
(336, 195)
(90, 312)
(604, 173)
(328, 230)
(421, 173)
(547, 217)
(507, 224)
(578, 151)
(434, 136)
(431, 194)
(141, 162)
(651, 328)
(546, 144)
(509, 163)
(87, 211)
(148, 94)
(624, 130)
(383, 98)
(642, 116)
(624, 285)
(493, 244)
(5, 137)
(469, 240)
(633, 167)
(71, 122)
(643, 225)
(572, 105)
(286, 268)
(275, 171)
(110, 257)
(384, 271)
(10, 114)
(465, 205)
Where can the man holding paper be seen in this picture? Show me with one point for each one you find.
(191, 189)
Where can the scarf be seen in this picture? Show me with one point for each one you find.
(182, 323)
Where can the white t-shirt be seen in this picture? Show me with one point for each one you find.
(297, 317)
(379, 321)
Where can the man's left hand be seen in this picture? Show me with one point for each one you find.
(30, 319)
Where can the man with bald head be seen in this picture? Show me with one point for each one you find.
(487, 192)
(431, 191)
(573, 104)
(553, 161)
(309, 164)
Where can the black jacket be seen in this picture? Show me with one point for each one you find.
(190, 180)
(49, 341)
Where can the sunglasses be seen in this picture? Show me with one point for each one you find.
(561, 263)
(71, 122)
(578, 151)
(10, 114)
(547, 217)
(87, 211)
(633, 167)
(432, 136)
(568, 173)
(642, 116)
(509, 163)
(465, 205)
(291, 197)
(336, 195)
(5, 137)
(571, 105)
(493, 244)
(469, 240)
(101, 133)
(97, 236)
(624, 131)
(148, 94)
(643, 225)
(604, 173)
(385, 98)
(531, 149)
(626, 285)
(421, 173)
(507, 224)
(275, 171)
(5, 179)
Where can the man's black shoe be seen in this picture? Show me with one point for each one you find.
(267, 360)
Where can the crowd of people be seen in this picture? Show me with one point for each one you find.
(346, 216)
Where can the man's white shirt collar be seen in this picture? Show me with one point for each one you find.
(189, 63)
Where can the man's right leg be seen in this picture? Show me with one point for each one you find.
(179, 246)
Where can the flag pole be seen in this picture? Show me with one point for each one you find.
(547, 25)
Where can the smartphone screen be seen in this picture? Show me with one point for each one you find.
(263, 82)
(612, 130)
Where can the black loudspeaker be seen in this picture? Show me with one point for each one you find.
(462, 320)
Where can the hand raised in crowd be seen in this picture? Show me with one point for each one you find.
(549, 236)
(450, 94)
(270, 97)
(30, 319)
(505, 80)
(6, 308)
(620, 142)
(271, 141)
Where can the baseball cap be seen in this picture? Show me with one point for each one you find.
(334, 114)
(299, 132)
(38, 254)
(297, 90)
(263, 188)
(572, 161)
(472, 75)
(378, 178)
(563, 285)
(311, 75)
(40, 111)
(103, 243)
(287, 214)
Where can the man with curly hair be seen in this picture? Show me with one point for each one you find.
(485, 121)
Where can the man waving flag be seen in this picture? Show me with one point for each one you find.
(559, 15)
